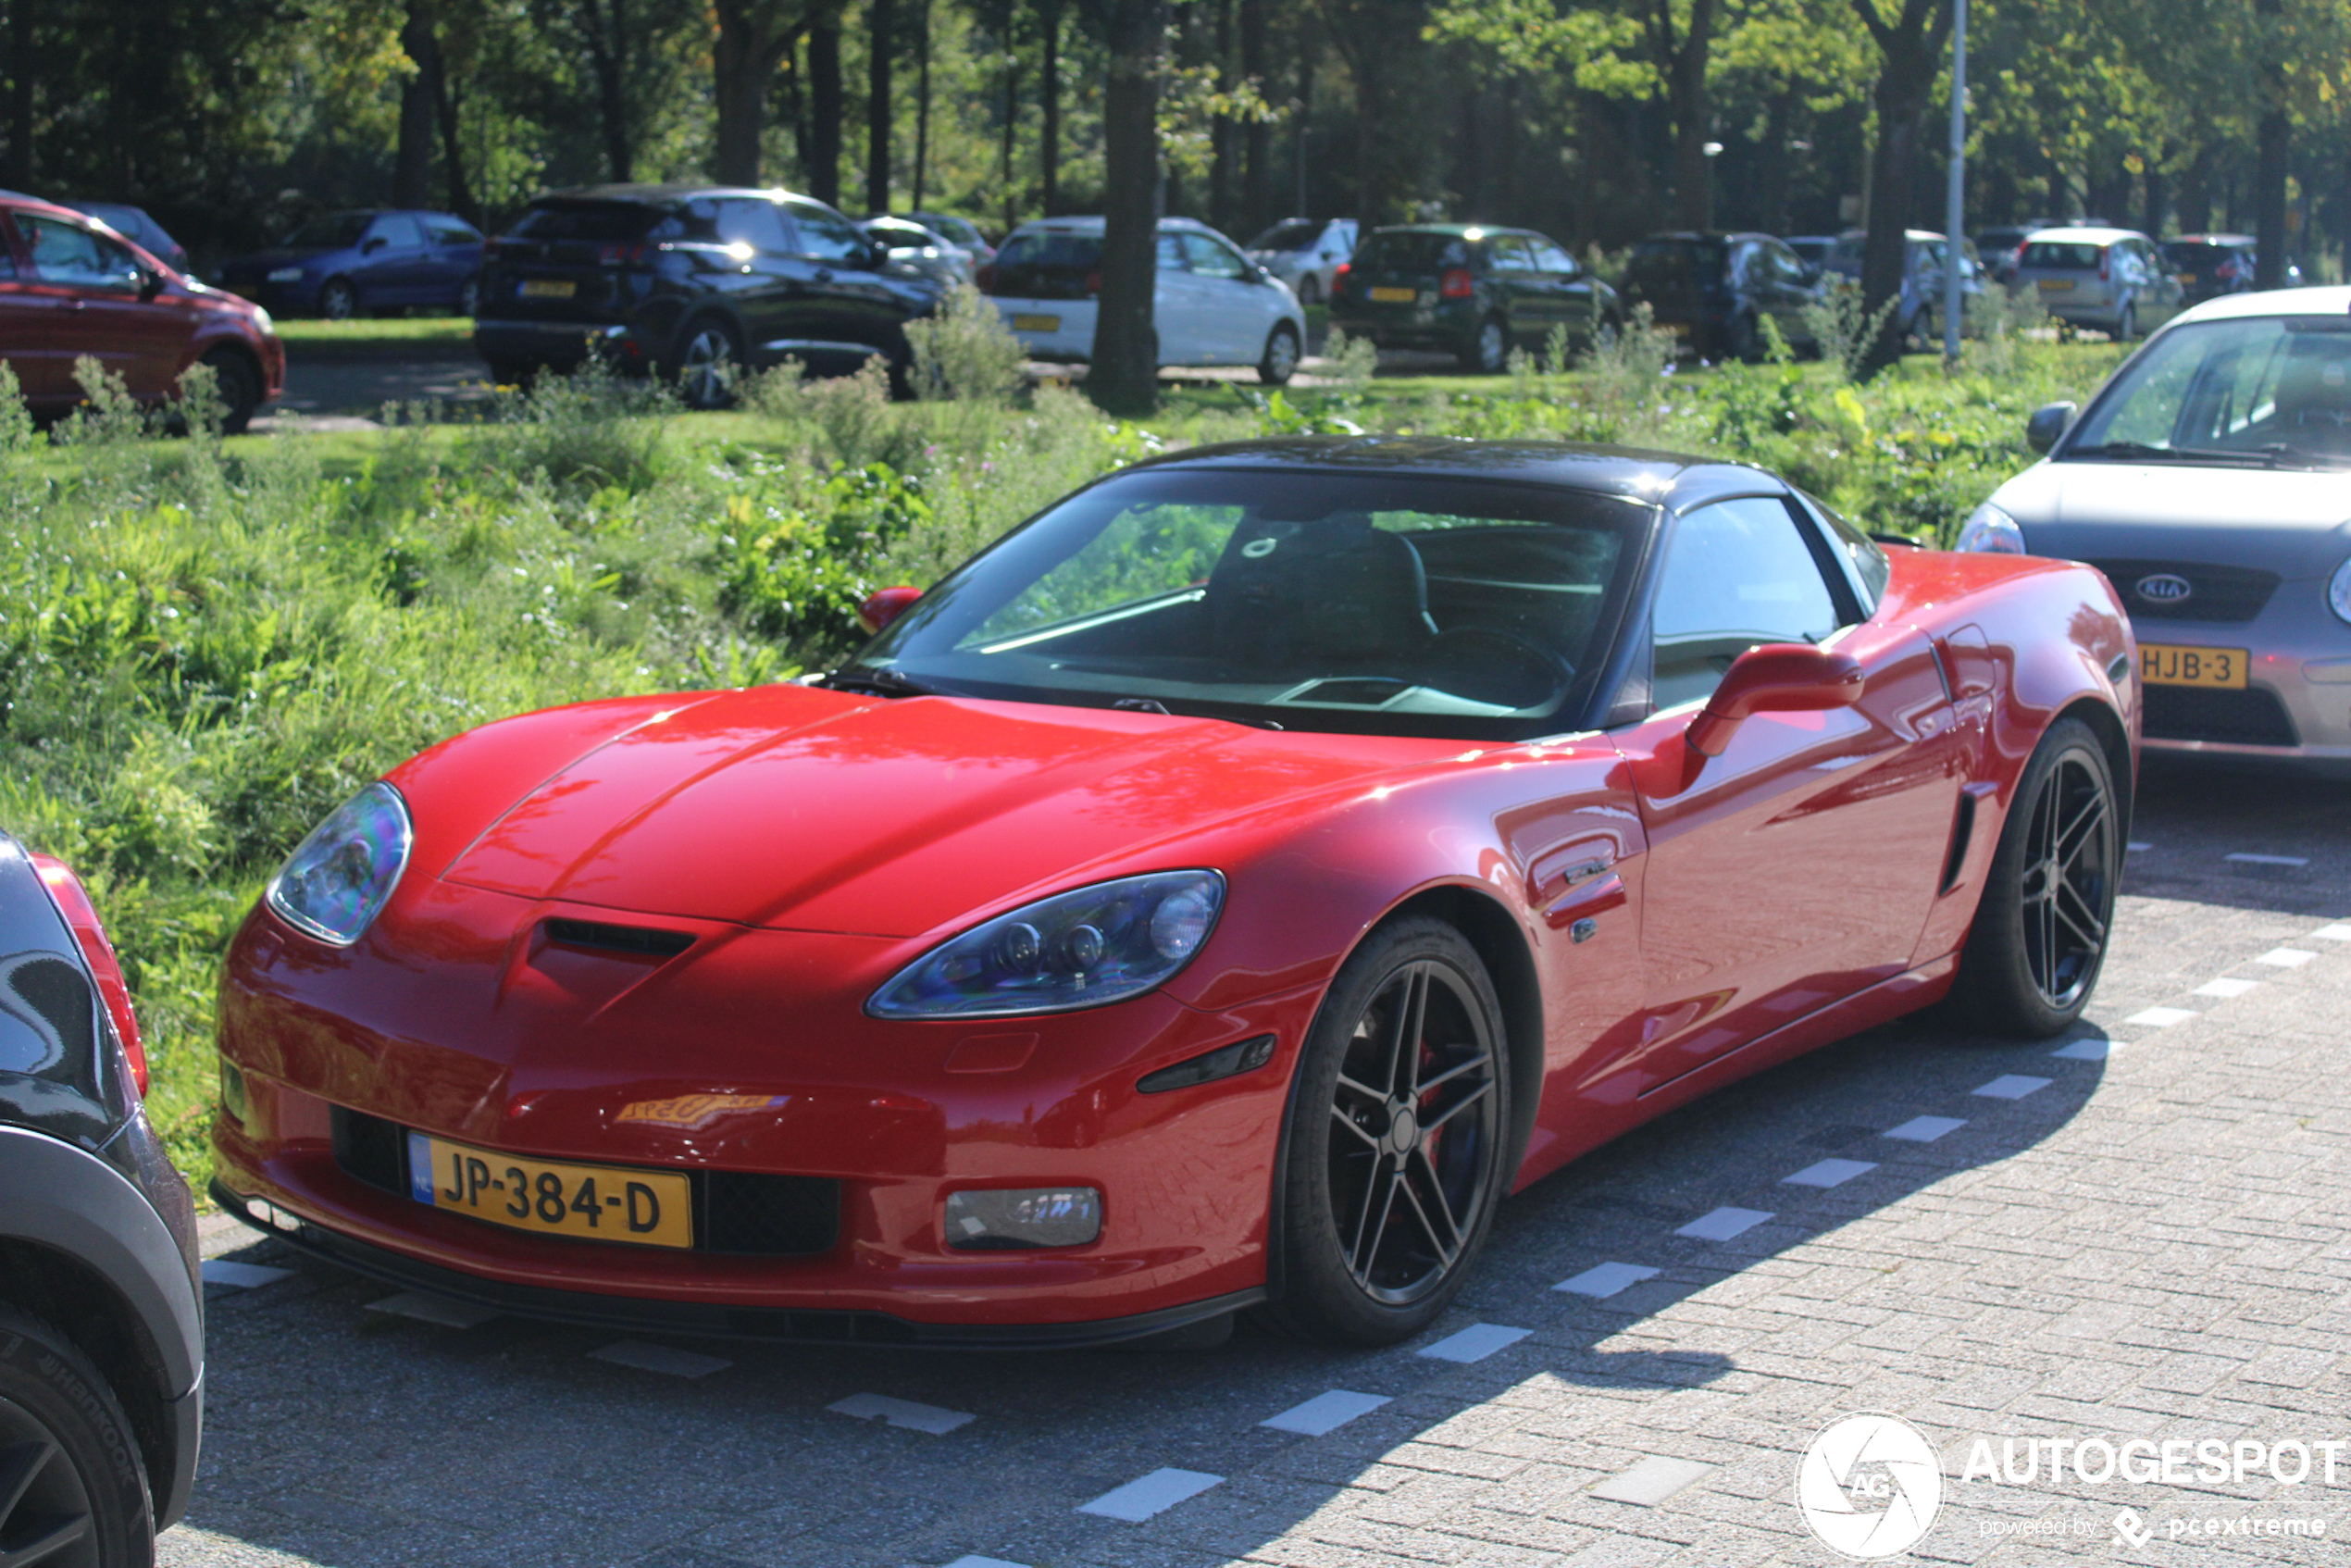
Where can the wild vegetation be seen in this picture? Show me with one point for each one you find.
(205, 644)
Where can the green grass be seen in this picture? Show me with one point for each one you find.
(303, 333)
(206, 645)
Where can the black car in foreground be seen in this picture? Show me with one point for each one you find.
(101, 1317)
(1715, 291)
(1467, 289)
(693, 282)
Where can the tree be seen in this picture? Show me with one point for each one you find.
(1122, 377)
(825, 108)
(753, 38)
(1910, 52)
(1680, 63)
(882, 40)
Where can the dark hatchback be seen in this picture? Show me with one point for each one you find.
(2207, 265)
(1467, 289)
(1715, 291)
(693, 282)
(101, 1304)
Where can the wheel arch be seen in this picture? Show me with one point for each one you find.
(2114, 740)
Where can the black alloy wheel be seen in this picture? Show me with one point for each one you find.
(1310, 289)
(1489, 351)
(469, 297)
(1395, 1157)
(1281, 358)
(708, 364)
(240, 386)
(2126, 326)
(2040, 935)
(72, 1493)
(338, 300)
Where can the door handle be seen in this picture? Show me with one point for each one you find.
(824, 275)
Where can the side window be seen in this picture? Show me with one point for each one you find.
(754, 223)
(1510, 254)
(67, 252)
(1738, 573)
(1786, 267)
(7, 251)
(1170, 253)
(1745, 265)
(446, 232)
(398, 231)
(1548, 257)
(1207, 258)
(825, 235)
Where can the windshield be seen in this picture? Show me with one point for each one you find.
(336, 231)
(1389, 603)
(1409, 251)
(588, 220)
(2260, 387)
(1675, 264)
(2063, 256)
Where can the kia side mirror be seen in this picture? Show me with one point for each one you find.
(1775, 677)
(884, 605)
(2048, 423)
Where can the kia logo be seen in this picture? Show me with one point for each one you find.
(2166, 588)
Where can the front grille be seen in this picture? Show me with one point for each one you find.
(2250, 717)
(2215, 593)
(368, 1148)
(749, 1213)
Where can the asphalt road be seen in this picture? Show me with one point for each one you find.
(2139, 1233)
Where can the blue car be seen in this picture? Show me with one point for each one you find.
(345, 264)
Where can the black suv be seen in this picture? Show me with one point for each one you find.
(692, 281)
(1715, 291)
(1467, 289)
(101, 1304)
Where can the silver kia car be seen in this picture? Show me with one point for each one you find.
(2210, 479)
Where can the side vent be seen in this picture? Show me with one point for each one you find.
(1962, 831)
(639, 941)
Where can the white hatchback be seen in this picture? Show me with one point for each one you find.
(1212, 304)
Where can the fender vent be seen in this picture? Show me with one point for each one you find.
(643, 942)
(1961, 832)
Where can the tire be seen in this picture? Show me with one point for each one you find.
(1280, 360)
(2040, 934)
(1744, 343)
(1488, 353)
(513, 373)
(1310, 289)
(70, 1472)
(469, 297)
(709, 355)
(338, 300)
(1382, 1213)
(241, 389)
(2126, 326)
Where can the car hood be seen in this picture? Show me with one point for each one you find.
(800, 809)
(2289, 521)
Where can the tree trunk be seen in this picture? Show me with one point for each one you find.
(825, 110)
(1911, 49)
(1011, 124)
(2270, 137)
(1778, 131)
(1220, 133)
(1123, 376)
(19, 169)
(2159, 198)
(1049, 88)
(452, 150)
(921, 106)
(607, 44)
(881, 23)
(1257, 138)
(1687, 87)
(743, 57)
(412, 166)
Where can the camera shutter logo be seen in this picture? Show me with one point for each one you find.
(1869, 1486)
(2165, 587)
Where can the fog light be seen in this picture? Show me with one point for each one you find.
(1023, 1217)
(233, 1094)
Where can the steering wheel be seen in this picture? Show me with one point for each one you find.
(1479, 650)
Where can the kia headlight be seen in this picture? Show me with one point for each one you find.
(285, 274)
(1082, 949)
(1989, 530)
(337, 881)
(2339, 590)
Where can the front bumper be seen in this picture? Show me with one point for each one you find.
(1443, 325)
(562, 345)
(2295, 706)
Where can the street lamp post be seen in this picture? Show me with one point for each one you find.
(1955, 199)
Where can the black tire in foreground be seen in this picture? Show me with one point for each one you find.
(1394, 1140)
(73, 1491)
(240, 390)
(2040, 935)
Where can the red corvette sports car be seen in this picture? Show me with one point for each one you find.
(1218, 893)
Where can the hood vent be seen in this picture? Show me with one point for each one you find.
(638, 942)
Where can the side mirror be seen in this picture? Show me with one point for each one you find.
(2048, 423)
(1775, 677)
(884, 605)
(150, 285)
(370, 246)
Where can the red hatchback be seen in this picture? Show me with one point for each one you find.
(70, 286)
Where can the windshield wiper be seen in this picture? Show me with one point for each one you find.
(882, 681)
(2279, 452)
(2139, 450)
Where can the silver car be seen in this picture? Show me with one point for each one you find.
(2112, 281)
(924, 250)
(1306, 253)
(2210, 479)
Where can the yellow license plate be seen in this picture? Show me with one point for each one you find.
(2163, 664)
(2185, 279)
(549, 288)
(551, 1196)
(1675, 329)
(1036, 323)
(2056, 285)
(1394, 296)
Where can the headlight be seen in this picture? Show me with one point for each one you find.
(285, 274)
(263, 321)
(1082, 949)
(2339, 590)
(1992, 531)
(335, 882)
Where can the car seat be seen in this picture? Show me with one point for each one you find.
(1318, 597)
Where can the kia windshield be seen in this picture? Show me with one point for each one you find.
(2257, 390)
(1390, 604)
